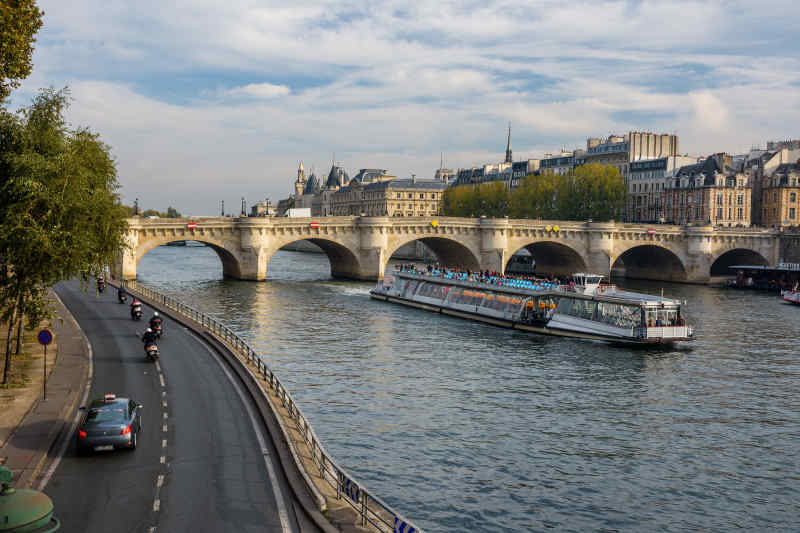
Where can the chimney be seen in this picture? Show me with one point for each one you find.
(413, 178)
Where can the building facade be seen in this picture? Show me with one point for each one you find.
(709, 192)
(780, 201)
(620, 151)
(646, 185)
(393, 198)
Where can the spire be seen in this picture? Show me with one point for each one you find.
(508, 147)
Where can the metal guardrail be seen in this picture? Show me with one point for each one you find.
(371, 509)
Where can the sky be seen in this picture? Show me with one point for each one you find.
(203, 101)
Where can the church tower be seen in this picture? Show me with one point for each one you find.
(508, 146)
(300, 184)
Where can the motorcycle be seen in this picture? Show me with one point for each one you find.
(157, 329)
(122, 297)
(152, 351)
(101, 286)
(136, 311)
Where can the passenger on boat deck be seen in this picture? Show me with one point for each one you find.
(659, 323)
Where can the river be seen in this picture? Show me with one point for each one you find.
(462, 426)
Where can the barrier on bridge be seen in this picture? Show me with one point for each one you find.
(371, 509)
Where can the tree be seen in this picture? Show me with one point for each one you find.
(19, 22)
(172, 213)
(60, 214)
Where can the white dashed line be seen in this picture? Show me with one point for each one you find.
(165, 416)
(164, 428)
(161, 379)
(164, 403)
(156, 505)
(163, 393)
(163, 459)
(160, 481)
(158, 367)
(164, 443)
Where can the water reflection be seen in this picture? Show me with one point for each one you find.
(463, 425)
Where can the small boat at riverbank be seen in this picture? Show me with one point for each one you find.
(583, 309)
(793, 297)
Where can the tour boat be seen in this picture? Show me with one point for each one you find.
(793, 297)
(585, 308)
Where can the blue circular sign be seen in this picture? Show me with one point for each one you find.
(45, 337)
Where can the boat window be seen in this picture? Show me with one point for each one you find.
(583, 309)
(623, 316)
(410, 288)
(661, 317)
(564, 306)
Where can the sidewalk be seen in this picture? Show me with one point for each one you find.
(30, 426)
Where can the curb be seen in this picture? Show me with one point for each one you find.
(303, 491)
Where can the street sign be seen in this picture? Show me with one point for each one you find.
(314, 224)
(45, 337)
(191, 225)
(651, 231)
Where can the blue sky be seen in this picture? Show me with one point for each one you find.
(205, 101)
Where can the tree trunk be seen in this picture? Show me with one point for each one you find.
(20, 329)
(7, 365)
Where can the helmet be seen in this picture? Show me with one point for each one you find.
(155, 315)
(148, 330)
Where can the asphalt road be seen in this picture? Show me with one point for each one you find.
(199, 465)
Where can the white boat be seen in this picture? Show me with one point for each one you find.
(793, 297)
(585, 308)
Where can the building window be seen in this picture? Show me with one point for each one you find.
(740, 199)
(775, 196)
(719, 212)
(398, 196)
(730, 214)
(791, 212)
(410, 196)
(792, 197)
(739, 213)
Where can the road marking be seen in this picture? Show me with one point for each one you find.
(164, 443)
(160, 481)
(158, 367)
(164, 428)
(163, 459)
(165, 416)
(262, 441)
(156, 505)
(164, 404)
(163, 393)
(161, 378)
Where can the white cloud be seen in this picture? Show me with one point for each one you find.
(264, 91)
(224, 98)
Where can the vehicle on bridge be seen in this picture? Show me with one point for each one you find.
(585, 308)
(109, 423)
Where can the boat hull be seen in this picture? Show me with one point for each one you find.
(792, 297)
(539, 329)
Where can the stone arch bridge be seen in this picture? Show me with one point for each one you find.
(359, 247)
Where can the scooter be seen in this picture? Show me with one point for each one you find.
(122, 297)
(157, 329)
(136, 311)
(152, 351)
(101, 286)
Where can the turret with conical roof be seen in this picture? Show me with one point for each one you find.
(300, 184)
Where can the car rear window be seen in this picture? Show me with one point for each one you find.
(106, 414)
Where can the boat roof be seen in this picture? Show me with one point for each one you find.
(791, 267)
(615, 296)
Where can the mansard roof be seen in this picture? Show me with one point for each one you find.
(369, 175)
(433, 185)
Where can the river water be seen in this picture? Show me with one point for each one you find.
(467, 427)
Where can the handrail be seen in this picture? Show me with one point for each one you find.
(371, 509)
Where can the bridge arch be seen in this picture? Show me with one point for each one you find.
(737, 256)
(650, 261)
(230, 258)
(552, 257)
(448, 251)
(344, 261)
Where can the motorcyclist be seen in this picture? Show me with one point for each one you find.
(149, 337)
(101, 283)
(122, 294)
(156, 322)
(136, 304)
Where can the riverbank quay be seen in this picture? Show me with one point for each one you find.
(330, 496)
(31, 426)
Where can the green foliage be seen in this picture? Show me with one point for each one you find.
(172, 213)
(19, 22)
(593, 191)
(60, 214)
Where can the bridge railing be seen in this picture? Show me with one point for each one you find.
(372, 510)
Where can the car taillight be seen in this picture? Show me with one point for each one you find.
(125, 430)
(81, 434)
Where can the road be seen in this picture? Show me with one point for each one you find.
(199, 465)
